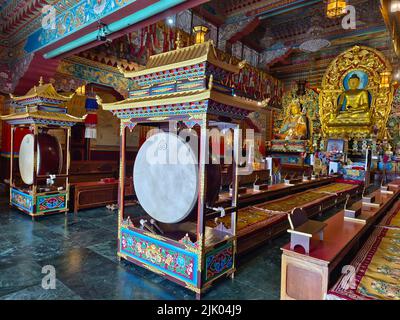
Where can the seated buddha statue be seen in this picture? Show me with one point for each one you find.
(294, 126)
(356, 106)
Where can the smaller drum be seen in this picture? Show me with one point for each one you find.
(49, 156)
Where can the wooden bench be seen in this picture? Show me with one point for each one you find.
(226, 176)
(296, 170)
(86, 195)
(308, 276)
(89, 171)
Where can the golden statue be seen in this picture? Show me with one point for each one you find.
(356, 113)
(294, 125)
(356, 106)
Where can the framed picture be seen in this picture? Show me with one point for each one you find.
(335, 146)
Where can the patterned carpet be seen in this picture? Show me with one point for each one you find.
(336, 188)
(247, 217)
(287, 204)
(377, 266)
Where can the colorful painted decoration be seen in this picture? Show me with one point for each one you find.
(50, 203)
(218, 261)
(22, 200)
(72, 19)
(166, 258)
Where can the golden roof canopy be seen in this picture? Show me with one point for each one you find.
(43, 115)
(182, 57)
(184, 97)
(43, 90)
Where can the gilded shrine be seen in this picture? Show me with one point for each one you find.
(356, 94)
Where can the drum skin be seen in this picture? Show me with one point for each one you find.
(167, 188)
(49, 156)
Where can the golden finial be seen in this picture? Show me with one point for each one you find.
(41, 82)
(200, 34)
(99, 100)
(242, 64)
(178, 42)
(210, 82)
(387, 135)
(265, 102)
(120, 69)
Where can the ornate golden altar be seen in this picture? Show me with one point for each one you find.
(356, 94)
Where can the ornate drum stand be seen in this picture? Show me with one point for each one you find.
(40, 112)
(192, 262)
(185, 86)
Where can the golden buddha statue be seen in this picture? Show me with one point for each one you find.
(294, 126)
(356, 106)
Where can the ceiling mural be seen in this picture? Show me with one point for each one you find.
(135, 47)
(131, 51)
(71, 19)
(18, 19)
(266, 33)
(26, 27)
(94, 72)
(284, 25)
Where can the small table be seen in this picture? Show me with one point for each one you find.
(302, 235)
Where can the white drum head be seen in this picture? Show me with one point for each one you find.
(52, 150)
(166, 185)
(26, 159)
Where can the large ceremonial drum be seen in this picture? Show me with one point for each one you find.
(49, 156)
(166, 178)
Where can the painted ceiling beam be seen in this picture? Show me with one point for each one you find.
(115, 26)
(217, 20)
(252, 7)
(81, 19)
(117, 18)
(154, 19)
(47, 68)
(296, 4)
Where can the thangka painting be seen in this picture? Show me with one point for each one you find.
(335, 146)
(309, 105)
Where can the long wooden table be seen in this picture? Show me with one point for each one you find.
(307, 277)
(260, 222)
(274, 191)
